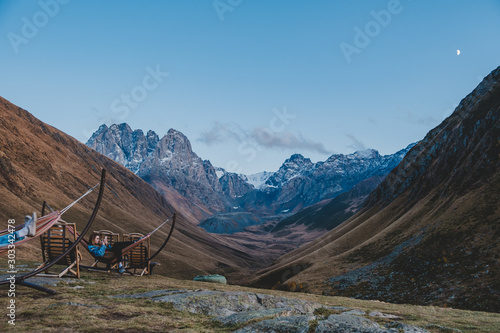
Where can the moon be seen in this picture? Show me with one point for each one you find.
(458, 52)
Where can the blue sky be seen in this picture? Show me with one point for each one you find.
(249, 82)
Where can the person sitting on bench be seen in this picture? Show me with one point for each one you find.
(100, 247)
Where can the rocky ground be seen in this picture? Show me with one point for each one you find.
(269, 313)
(114, 303)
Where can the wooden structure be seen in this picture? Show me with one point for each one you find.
(53, 217)
(137, 259)
(55, 241)
(135, 255)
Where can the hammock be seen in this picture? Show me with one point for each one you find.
(42, 225)
(45, 222)
(112, 258)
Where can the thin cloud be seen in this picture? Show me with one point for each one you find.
(413, 118)
(286, 140)
(223, 132)
(356, 144)
(260, 136)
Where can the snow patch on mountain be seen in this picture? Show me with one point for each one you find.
(257, 180)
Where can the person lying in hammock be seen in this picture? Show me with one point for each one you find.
(29, 230)
(100, 247)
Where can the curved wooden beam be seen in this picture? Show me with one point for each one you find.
(72, 246)
(37, 287)
(167, 239)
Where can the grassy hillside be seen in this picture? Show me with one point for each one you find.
(39, 162)
(428, 234)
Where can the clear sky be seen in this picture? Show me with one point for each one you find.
(249, 82)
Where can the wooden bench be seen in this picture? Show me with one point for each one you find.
(138, 258)
(55, 241)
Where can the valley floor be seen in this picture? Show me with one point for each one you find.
(88, 304)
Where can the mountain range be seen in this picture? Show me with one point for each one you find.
(169, 164)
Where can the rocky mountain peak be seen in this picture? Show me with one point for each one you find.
(293, 167)
(298, 158)
(366, 154)
(151, 134)
(123, 127)
(170, 148)
(167, 162)
(120, 143)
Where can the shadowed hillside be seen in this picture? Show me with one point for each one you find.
(428, 234)
(39, 162)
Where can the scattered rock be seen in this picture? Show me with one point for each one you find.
(76, 304)
(287, 314)
(244, 317)
(153, 293)
(52, 281)
(406, 328)
(383, 315)
(348, 323)
(219, 304)
(292, 324)
(355, 313)
(338, 308)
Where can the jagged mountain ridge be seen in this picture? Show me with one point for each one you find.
(127, 147)
(428, 234)
(300, 183)
(170, 163)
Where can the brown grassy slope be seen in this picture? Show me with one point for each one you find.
(429, 233)
(39, 162)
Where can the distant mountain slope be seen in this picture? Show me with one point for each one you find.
(39, 162)
(328, 214)
(229, 223)
(429, 232)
